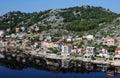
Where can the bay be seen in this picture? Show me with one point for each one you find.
(36, 73)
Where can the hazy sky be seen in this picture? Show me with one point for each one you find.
(40, 5)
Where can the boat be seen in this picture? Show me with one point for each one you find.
(111, 71)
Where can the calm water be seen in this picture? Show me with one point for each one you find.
(34, 73)
(14, 67)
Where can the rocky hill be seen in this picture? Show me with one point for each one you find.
(86, 18)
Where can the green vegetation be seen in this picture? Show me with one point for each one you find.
(87, 19)
(19, 19)
(53, 50)
(82, 18)
(110, 48)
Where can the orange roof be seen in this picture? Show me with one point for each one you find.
(117, 49)
(50, 42)
(55, 42)
(67, 44)
(106, 48)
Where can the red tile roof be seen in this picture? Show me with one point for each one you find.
(117, 49)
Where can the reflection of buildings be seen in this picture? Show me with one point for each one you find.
(118, 69)
(40, 63)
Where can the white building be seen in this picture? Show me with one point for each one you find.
(56, 44)
(47, 44)
(89, 52)
(104, 53)
(69, 38)
(88, 37)
(66, 48)
(111, 42)
(117, 54)
(1, 33)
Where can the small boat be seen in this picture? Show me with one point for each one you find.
(111, 71)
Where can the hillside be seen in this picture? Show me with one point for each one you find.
(78, 19)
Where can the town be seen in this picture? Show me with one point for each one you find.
(88, 48)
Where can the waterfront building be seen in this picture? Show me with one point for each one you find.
(89, 52)
(66, 48)
(104, 53)
(117, 54)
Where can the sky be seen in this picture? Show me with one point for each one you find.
(41, 5)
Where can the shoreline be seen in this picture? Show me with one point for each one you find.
(72, 64)
(29, 60)
(52, 56)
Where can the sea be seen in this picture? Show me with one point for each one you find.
(22, 66)
(6, 72)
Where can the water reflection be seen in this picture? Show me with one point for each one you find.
(21, 61)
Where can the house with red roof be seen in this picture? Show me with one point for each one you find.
(56, 44)
(66, 48)
(117, 53)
